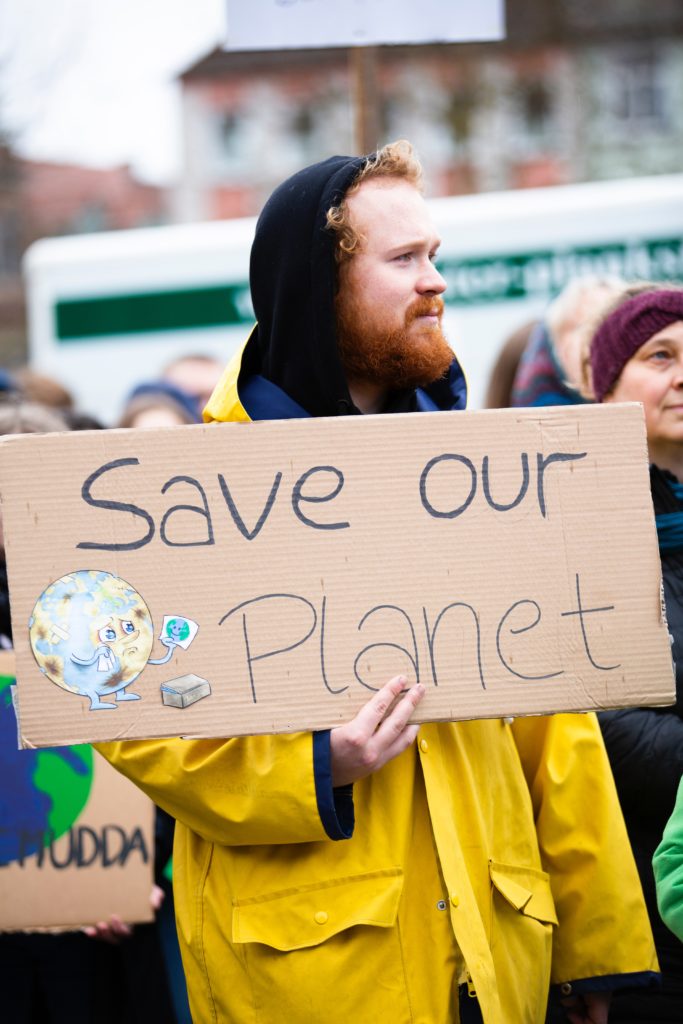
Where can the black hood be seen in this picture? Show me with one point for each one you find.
(293, 279)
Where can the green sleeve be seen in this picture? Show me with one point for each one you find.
(668, 868)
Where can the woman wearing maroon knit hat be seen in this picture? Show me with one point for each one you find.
(636, 355)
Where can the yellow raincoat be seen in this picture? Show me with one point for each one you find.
(490, 853)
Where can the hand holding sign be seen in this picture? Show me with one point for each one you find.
(379, 732)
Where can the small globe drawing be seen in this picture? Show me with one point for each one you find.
(177, 629)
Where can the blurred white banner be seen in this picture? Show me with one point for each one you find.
(287, 24)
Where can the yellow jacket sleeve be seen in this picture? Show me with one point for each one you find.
(255, 789)
(603, 928)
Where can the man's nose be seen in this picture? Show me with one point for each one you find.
(430, 280)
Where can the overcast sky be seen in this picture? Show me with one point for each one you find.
(92, 81)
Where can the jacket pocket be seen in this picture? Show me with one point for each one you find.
(527, 890)
(522, 920)
(311, 914)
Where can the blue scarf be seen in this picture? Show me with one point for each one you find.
(670, 524)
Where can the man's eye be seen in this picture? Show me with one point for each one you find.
(107, 633)
(404, 257)
(128, 626)
(660, 355)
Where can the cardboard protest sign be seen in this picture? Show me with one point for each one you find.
(76, 838)
(231, 579)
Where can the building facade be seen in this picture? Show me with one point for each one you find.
(579, 90)
(42, 199)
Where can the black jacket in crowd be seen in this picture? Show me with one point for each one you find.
(645, 747)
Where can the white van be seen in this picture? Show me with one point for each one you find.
(108, 311)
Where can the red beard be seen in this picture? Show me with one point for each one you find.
(394, 359)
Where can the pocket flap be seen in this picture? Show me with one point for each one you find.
(525, 889)
(310, 914)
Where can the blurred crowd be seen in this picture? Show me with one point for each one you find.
(176, 397)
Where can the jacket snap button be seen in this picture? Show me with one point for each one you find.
(424, 746)
(320, 917)
(455, 900)
(566, 988)
(441, 905)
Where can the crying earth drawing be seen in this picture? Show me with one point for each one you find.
(92, 634)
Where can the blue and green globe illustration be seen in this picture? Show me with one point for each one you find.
(177, 630)
(42, 792)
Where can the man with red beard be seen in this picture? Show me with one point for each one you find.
(388, 304)
(356, 875)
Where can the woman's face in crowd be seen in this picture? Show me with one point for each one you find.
(654, 376)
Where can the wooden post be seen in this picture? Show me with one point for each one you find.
(363, 73)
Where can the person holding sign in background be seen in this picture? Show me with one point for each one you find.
(636, 355)
(367, 873)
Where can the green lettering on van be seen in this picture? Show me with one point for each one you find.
(544, 273)
(148, 312)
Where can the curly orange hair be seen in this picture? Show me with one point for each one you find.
(395, 160)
